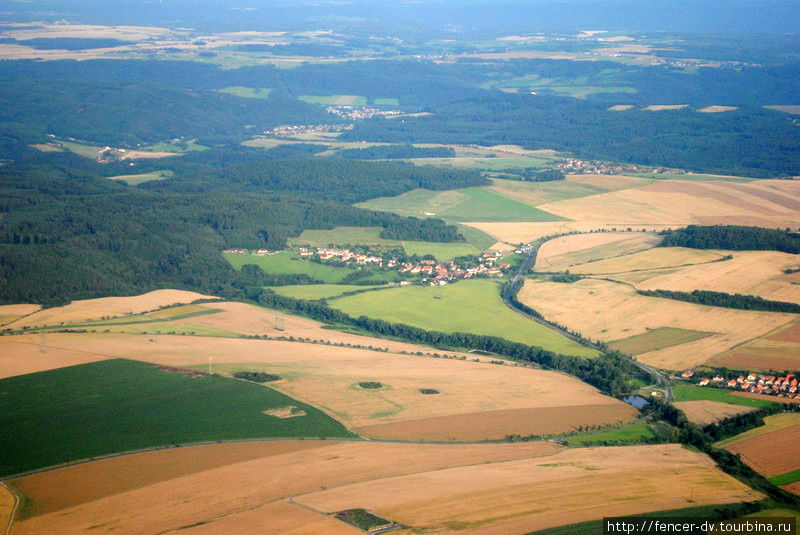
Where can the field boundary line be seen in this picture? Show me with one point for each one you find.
(17, 502)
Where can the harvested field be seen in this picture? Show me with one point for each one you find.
(9, 313)
(771, 423)
(763, 397)
(138, 501)
(95, 309)
(586, 306)
(277, 517)
(572, 486)
(35, 353)
(662, 107)
(620, 107)
(8, 503)
(525, 232)
(772, 453)
(703, 412)
(648, 259)
(479, 425)
(717, 109)
(60, 489)
(794, 488)
(656, 339)
(565, 252)
(680, 202)
(777, 350)
(610, 182)
(758, 273)
(322, 376)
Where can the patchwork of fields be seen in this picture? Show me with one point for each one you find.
(614, 312)
(450, 488)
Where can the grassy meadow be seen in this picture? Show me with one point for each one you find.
(470, 306)
(135, 180)
(685, 392)
(247, 92)
(633, 434)
(124, 405)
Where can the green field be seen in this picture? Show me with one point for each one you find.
(96, 409)
(335, 100)
(633, 434)
(178, 148)
(470, 306)
(135, 180)
(786, 479)
(692, 393)
(486, 205)
(317, 291)
(771, 423)
(287, 263)
(386, 101)
(371, 236)
(656, 339)
(87, 151)
(477, 238)
(247, 92)
(471, 204)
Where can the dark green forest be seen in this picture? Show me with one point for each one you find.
(722, 299)
(733, 238)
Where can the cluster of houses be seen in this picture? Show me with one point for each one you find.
(293, 130)
(771, 385)
(433, 272)
(361, 112)
(597, 167)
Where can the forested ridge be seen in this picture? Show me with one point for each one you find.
(69, 234)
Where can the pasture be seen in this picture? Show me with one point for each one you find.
(168, 490)
(571, 486)
(655, 339)
(564, 253)
(471, 204)
(106, 307)
(335, 100)
(126, 405)
(704, 412)
(247, 92)
(286, 263)
(687, 393)
(613, 311)
(470, 306)
(633, 434)
(135, 180)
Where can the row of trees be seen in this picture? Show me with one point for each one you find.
(721, 299)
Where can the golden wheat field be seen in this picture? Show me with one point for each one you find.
(128, 495)
(571, 486)
(776, 350)
(104, 307)
(703, 412)
(9, 313)
(612, 311)
(768, 203)
(525, 401)
(524, 232)
(758, 273)
(568, 252)
(445, 488)
(647, 260)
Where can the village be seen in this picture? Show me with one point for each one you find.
(786, 386)
(432, 272)
(361, 112)
(597, 167)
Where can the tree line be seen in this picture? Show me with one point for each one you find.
(732, 237)
(722, 299)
